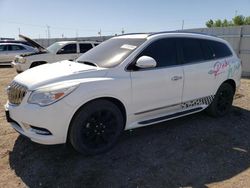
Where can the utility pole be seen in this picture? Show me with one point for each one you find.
(48, 29)
(19, 31)
(100, 34)
(182, 26)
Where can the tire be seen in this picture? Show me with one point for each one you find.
(96, 127)
(222, 102)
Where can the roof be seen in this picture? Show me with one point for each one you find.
(65, 42)
(146, 35)
(12, 43)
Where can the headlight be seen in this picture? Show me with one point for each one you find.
(49, 95)
(20, 60)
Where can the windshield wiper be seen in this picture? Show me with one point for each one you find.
(87, 63)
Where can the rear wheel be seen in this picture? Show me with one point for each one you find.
(96, 127)
(222, 102)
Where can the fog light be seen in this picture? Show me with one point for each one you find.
(40, 131)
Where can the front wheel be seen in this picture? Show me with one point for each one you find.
(96, 127)
(222, 102)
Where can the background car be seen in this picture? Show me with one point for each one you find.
(63, 50)
(16, 42)
(8, 51)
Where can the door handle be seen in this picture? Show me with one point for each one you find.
(175, 78)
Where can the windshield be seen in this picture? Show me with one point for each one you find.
(111, 52)
(54, 47)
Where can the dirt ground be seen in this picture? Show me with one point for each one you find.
(194, 151)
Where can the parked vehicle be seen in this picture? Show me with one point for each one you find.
(64, 50)
(16, 42)
(126, 82)
(8, 51)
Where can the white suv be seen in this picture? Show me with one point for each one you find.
(126, 82)
(64, 50)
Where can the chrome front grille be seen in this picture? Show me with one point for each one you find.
(16, 93)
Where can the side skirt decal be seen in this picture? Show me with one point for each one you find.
(185, 105)
(170, 116)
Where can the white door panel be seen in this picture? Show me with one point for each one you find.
(60, 57)
(198, 82)
(152, 89)
(3, 57)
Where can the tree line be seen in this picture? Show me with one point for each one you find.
(236, 21)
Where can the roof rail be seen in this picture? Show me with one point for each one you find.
(163, 32)
(181, 31)
(145, 33)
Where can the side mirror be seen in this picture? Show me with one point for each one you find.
(145, 62)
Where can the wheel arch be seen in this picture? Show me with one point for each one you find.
(232, 83)
(37, 62)
(116, 101)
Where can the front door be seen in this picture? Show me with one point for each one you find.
(68, 52)
(156, 89)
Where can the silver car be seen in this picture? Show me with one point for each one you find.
(8, 51)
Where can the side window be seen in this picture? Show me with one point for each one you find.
(207, 50)
(3, 48)
(163, 51)
(16, 48)
(192, 51)
(84, 47)
(68, 49)
(220, 49)
(96, 44)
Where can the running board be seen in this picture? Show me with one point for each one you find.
(170, 116)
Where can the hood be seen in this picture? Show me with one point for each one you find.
(58, 72)
(33, 43)
(34, 53)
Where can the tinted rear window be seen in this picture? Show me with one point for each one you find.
(207, 50)
(84, 47)
(220, 49)
(192, 51)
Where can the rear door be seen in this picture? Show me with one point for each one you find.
(156, 90)
(198, 59)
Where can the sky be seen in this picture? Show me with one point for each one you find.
(81, 18)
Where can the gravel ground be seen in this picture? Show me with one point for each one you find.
(194, 151)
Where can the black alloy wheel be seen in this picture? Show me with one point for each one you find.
(96, 127)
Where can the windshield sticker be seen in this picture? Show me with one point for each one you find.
(128, 47)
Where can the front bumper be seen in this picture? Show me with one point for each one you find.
(18, 66)
(54, 118)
